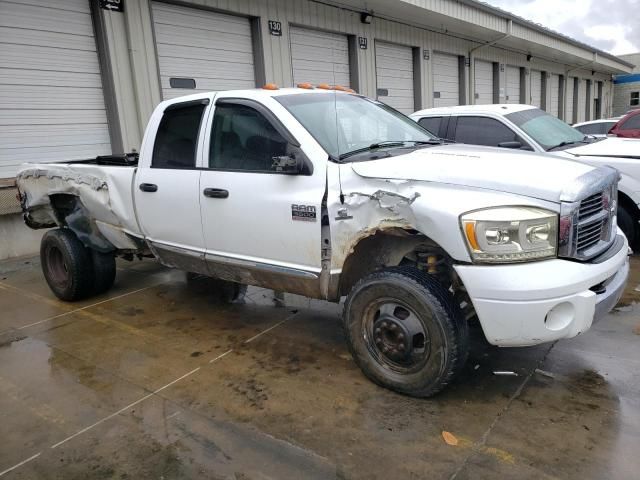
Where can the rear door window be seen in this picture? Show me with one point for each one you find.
(483, 131)
(177, 137)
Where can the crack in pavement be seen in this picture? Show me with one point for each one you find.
(477, 446)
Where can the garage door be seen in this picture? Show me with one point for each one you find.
(535, 77)
(394, 76)
(51, 100)
(446, 81)
(568, 117)
(554, 91)
(582, 100)
(211, 48)
(483, 82)
(319, 57)
(513, 84)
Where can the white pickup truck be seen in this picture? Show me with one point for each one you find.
(330, 194)
(529, 128)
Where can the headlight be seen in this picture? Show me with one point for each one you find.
(510, 234)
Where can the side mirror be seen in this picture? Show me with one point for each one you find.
(294, 163)
(513, 144)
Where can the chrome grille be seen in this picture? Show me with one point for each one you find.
(593, 216)
(590, 206)
(587, 225)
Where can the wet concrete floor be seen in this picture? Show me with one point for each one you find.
(157, 380)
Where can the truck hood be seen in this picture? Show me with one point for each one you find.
(528, 174)
(609, 147)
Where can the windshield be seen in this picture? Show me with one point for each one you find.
(344, 124)
(545, 129)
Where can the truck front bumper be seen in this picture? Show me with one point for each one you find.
(532, 303)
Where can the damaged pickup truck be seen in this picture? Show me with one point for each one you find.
(330, 194)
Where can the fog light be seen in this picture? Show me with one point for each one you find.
(560, 316)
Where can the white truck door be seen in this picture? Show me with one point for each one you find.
(261, 227)
(166, 190)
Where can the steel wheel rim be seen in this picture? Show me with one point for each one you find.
(58, 270)
(403, 344)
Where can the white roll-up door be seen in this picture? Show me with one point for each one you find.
(554, 92)
(513, 84)
(394, 76)
(446, 80)
(535, 77)
(51, 100)
(319, 57)
(483, 82)
(212, 49)
(568, 117)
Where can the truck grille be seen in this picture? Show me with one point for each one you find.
(587, 225)
(593, 217)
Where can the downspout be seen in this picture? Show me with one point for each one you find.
(472, 68)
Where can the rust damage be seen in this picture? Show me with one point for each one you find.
(381, 210)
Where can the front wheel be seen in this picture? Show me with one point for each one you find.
(405, 331)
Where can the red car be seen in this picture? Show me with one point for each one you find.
(628, 126)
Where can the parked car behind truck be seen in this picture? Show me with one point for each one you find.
(524, 127)
(330, 194)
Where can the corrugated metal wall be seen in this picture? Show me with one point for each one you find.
(276, 56)
(135, 49)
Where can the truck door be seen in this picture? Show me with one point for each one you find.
(166, 193)
(261, 226)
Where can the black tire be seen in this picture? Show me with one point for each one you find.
(628, 225)
(222, 291)
(104, 268)
(405, 331)
(66, 264)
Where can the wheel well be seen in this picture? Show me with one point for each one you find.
(71, 213)
(62, 205)
(385, 248)
(629, 205)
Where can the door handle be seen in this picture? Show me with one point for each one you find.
(148, 187)
(215, 193)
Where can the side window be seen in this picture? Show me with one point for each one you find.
(483, 131)
(177, 137)
(243, 139)
(594, 128)
(632, 123)
(432, 124)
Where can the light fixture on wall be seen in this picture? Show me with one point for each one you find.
(366, 17)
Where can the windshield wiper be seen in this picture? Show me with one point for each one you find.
(564, 144)
(389, 144)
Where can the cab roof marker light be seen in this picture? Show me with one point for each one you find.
(324, 86)
(270, 86)
(306, 85)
